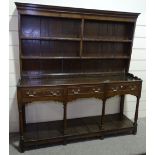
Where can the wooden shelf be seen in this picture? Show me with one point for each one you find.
(105, 57)
(51, 38)
(83, 57)
(48, 57)
(80, 79)
(76, 128)
(107, 40)
(42, 74)
(77, 39)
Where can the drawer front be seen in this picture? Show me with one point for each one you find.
(42, 92)
(76, 90)
(122, 88)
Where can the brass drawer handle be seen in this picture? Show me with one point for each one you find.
(96, 90)
(76, 92)
(54, 93)
(31, 95)
(114, 90)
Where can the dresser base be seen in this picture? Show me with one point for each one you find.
(51, 133)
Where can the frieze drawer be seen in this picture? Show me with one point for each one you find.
(122, 88)
(85, 90)
(42, 92)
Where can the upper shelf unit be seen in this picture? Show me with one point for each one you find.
(41, 28)
(66, 40)
(51, 37)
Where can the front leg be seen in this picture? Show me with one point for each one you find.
(21, 127)
(122, 106)
(102, 119)
(65, 121)
(136, 116)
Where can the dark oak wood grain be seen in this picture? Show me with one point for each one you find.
(70, 53)
(76, 127)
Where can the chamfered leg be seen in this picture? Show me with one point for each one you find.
(102, 118)
(136, 116)
(21, 127)
(122, 106)
(65, 120)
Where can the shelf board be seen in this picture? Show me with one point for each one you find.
(49, 74)
(77, 39)
(107, 40)
(76, 57)
(104, 57)
(70, 79)
(48, 57)
(51, 38)
(76, 127)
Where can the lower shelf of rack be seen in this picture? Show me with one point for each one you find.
(77, 129)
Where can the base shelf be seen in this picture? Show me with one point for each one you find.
(78, 128)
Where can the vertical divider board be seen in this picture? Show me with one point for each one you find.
(81, 42)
